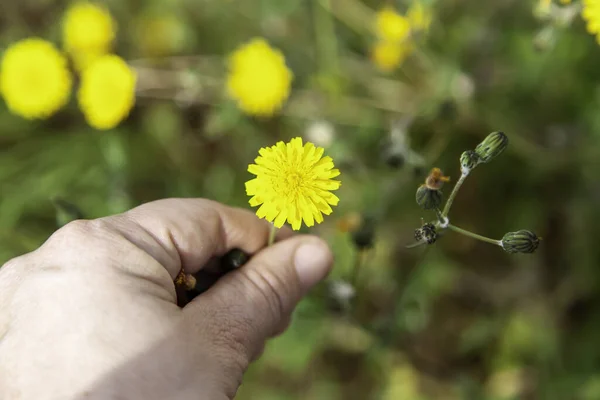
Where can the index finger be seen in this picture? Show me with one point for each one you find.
(186, 233)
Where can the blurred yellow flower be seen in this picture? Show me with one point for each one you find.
(258, 79)
(419, 17)
(83, 59)
(591, 15)
(88, 32)
(293, 183)
(391, 26)
(34, 78)
(388, 55)
(107, 92)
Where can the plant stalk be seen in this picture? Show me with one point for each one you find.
(442, 220)
(358, 262)
(459, 183)
(474, 235)
(326, 40)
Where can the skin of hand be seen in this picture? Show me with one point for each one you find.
(92, 313)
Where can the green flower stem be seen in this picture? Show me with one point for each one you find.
(474, 235)
(327, 46)
(272, 234)
(442, 221)
(461, 180)
(358, 262)
(416, 244)
(352, 13)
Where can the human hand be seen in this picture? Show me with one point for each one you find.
(93, 312)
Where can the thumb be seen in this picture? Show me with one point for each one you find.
(249, 305)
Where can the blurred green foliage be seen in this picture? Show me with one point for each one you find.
(459, 320)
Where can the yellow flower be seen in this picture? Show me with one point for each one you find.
(293, 183)
(88, 32)
(389, 55)
(107, 92)
(83, 59)
(391, 26)
(88, 27)
(259, 79)
(591, 14)
(419, 16)
(34, 79)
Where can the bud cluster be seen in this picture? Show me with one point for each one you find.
(491, 147)
(429, 197)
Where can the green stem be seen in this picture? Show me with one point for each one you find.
(442, 221)
(474, 235)
(326, 39)
(354, 14)
(461, 180)
(272, 234)
(358, 262)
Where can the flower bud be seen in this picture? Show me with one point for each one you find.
(234, 259)
(428, 199)
(208, 276)
(426, 233)
(436, 179)
(364, 236)
(469, 160)
(395, 160)
(492, 146)
(447, 110)
(522, 241)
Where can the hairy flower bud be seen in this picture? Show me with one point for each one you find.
(426, 233)
(522, 241)
(492, 146)
(428, 199)
(469, 160)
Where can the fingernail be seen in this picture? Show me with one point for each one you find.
(312, 261)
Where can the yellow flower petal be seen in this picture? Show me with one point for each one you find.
(34, 80)
(107, 92)
(591, 14)
(389, 55)
(391, 26)
(258, 79)
(88, 32)
(293, 184)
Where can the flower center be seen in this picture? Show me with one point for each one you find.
(293, 181)
(291, 184)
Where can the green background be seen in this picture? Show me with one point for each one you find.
(458, 320)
